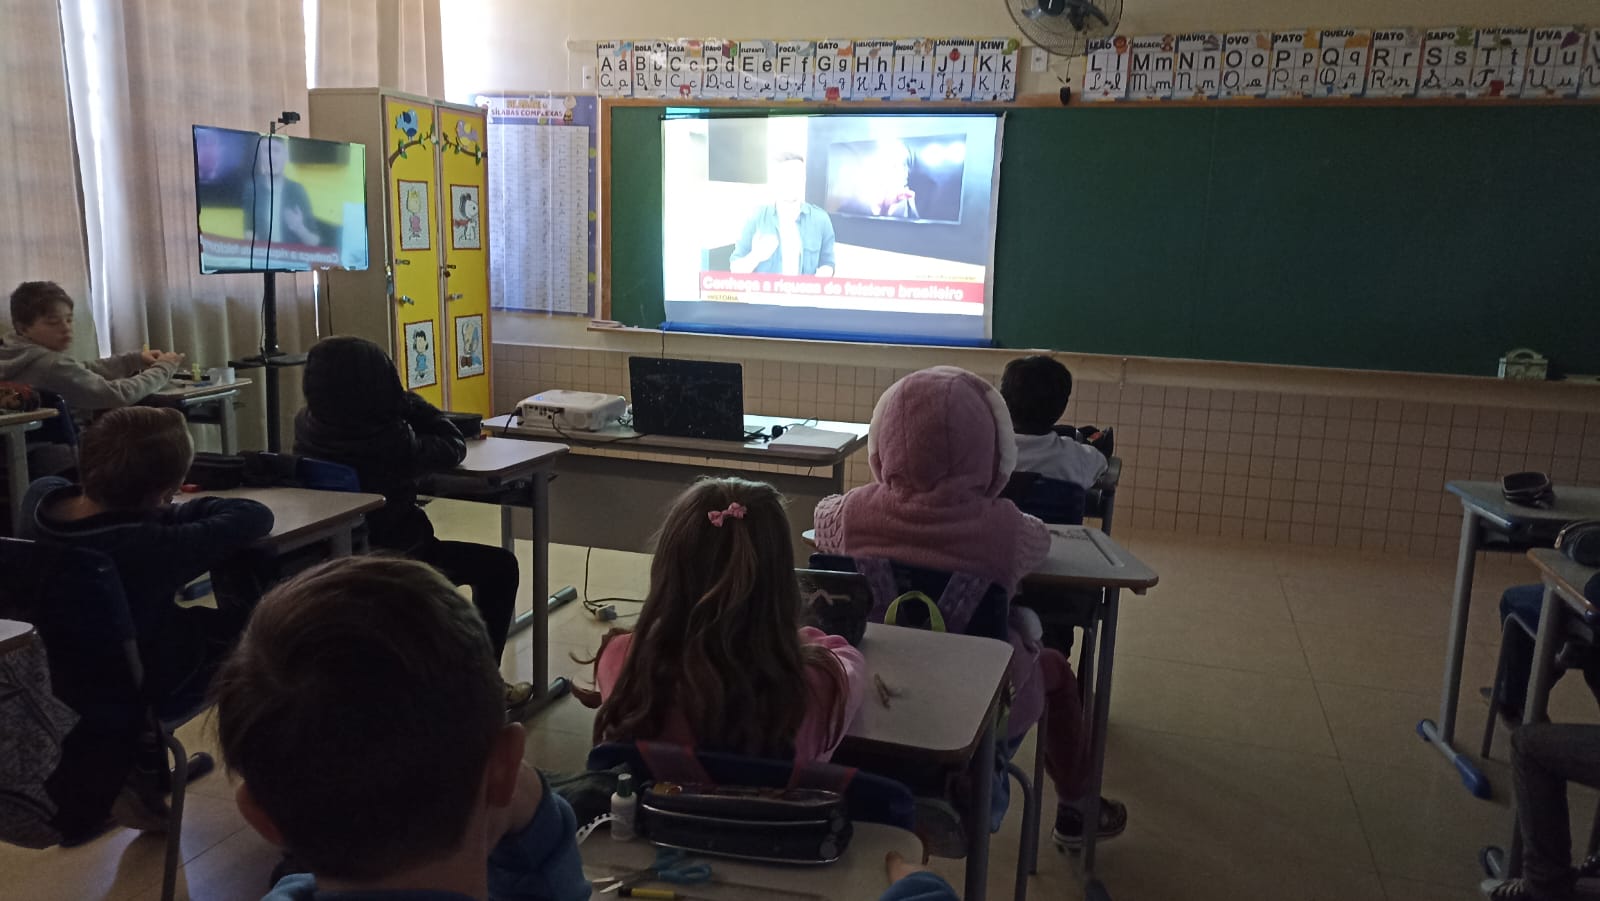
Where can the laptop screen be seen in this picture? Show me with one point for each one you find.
(687, 398)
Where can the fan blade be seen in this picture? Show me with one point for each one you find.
(1082, 7)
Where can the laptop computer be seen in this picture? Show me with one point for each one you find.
(687, 398)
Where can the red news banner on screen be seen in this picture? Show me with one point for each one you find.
(758, 287)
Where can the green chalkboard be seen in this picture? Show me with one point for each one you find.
(1419, 238)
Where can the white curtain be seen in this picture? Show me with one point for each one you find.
(384, 43)
(39, 183)
(141, 73)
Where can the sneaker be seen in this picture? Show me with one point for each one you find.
(1518, 890)
(134, 809)
(519, 696)
(1068, 831)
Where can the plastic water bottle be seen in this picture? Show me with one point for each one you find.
(624, 807)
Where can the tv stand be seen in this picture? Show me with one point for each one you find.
(270, 358)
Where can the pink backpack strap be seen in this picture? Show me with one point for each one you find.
(673, 763)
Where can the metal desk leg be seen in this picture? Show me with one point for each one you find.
(538, 584)
(980, 771)
(1442, 734)
(17, 476)
(342, 544)
(1089, 805)
(228, 424)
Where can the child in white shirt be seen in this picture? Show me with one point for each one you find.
(1036, 390)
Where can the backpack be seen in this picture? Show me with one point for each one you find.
(33, 726)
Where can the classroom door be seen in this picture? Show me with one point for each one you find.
(413, 202)
(463, 191)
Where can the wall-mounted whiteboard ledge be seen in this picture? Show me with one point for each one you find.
(611, 325)
(1323, 102)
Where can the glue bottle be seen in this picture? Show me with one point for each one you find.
(624, 806)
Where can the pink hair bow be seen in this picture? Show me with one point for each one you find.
(735, 510)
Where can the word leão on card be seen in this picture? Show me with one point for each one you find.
(1560, 61)
(980, 70)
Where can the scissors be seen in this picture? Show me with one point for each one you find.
(671, 866)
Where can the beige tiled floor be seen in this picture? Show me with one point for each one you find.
(1262, 735)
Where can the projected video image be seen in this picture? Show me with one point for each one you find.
(861, 226)
(278, 203)
(914, 178)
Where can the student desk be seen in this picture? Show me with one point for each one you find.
(186, 397)
(12, 427)
(617, 502)
(14, 635)
(1490, 522)
(517, 474)
(303, 517)
(944, 714)
(856, 876)
(1083, 557)
(1565, 611)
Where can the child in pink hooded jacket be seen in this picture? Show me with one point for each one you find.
(941, 449)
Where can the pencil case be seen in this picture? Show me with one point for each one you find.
(774, 825)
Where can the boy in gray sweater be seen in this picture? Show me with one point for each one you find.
(37, 354)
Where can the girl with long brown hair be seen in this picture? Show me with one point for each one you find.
(719, 659)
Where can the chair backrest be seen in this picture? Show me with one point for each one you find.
(323, 475)
(985, 614)
(1055, 501)
(63, 429)
(871, 798)
(74, 598)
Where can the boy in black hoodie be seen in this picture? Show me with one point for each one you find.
(358, 414)
(132, 462)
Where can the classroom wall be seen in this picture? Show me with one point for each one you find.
(1320, 457)
(514, 44)
(1277, 453)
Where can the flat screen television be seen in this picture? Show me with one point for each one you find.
(274, 203)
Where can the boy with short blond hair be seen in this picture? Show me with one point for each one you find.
(39, 354)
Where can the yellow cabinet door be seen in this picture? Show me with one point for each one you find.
(420, 342)
(463, 194)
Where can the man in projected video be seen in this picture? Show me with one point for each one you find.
(277, 208)
(787, 236)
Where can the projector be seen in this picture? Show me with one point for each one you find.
(586, 411)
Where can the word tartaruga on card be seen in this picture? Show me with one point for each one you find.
(996, 70)
(1246, 63)
(613, 68)
(719, 76)
(755, 70)
(1589, 79)
(1555, 61)
(1198, 71)
(1150, 67)
(954, 69)
(1342, 65)
(1105, 69)
(873, 76)
(1500, 61)
(830, 70)
(791, 69)
(913, 69)
(1396, 59)
(649, 68)
(1294, 64)
(684, 66)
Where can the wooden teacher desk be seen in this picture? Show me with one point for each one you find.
(603, 500)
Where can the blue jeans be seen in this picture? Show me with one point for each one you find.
(1525, 601)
